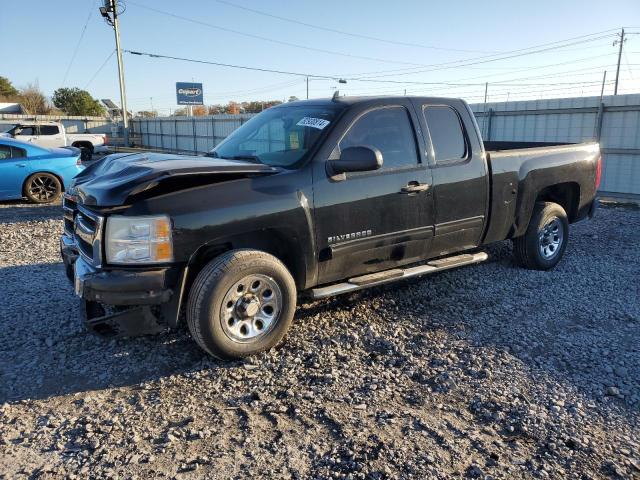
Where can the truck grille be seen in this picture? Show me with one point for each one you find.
(85, 227)
(69, 209)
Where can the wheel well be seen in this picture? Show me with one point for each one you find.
(81, 144)
(24, 184)
(274, 243)
(566, 195)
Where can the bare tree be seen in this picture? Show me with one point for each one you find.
(33, 100)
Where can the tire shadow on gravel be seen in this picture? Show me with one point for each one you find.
(21, 211)
(46, 351)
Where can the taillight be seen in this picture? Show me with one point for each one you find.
(79, 161)
(105, 139)
(598, 171)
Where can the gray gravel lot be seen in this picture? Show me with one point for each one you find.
(483, 372)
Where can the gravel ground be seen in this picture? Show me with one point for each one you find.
(483, 372)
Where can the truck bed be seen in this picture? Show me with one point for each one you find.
(518, 169)
(498, 145)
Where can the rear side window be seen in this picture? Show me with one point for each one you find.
(5, 152)
(388, 129)
(446, 133)
(18, 152)
(48, 130)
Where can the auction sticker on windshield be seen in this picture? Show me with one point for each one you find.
(318, 123)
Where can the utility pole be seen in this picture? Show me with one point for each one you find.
(307, 88)
(484, 108)
(111, 7)
(604, 79)
(621, 42)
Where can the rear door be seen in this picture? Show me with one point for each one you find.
(460, 182)
(50, 136)
(13, 171)
(367, 221)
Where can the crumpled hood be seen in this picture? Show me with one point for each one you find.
(111, 180)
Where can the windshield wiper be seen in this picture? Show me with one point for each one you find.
(253, 158)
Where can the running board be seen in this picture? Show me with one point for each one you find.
(380, 278)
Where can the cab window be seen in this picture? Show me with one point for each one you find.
(25, 131)
(48, 130)
(389, 129)
(447, 135)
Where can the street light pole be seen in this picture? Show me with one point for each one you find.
(111, 6)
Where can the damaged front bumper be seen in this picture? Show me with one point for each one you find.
(123, 302)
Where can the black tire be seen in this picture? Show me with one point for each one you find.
(85, 154)
(218, 331)
(543, 244)
(42, 188)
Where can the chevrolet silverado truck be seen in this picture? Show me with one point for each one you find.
(307, 200)
(54, 135)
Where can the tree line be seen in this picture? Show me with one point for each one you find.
(232, 107)
(78, 102)
(65, 101)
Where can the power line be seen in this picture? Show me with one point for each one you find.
(99, 69)
(303, 74)
(331, 52)
(602, 33)
(75, 51)
(230, 65)
(268, 39)
(350, 34)
(450, 65)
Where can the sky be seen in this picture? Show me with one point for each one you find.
(380, 47)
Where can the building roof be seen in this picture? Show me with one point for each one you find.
(10, 107)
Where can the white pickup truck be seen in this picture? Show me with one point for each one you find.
(53, 134)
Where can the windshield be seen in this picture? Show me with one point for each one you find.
(279, 136)
(7, 128)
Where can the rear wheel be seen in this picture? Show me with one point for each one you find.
(544, 242)
(42, 188)
(241, 303)
(85, 154)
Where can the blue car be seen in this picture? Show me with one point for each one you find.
(37, 173)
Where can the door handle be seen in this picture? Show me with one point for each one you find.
(21, 164)
(415, 187)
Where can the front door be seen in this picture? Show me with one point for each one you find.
(372, 221)
(26, 133)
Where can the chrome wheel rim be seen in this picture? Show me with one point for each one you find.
(550, 238)
(251, 308)
(43, 187)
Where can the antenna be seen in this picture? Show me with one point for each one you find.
(336, 94)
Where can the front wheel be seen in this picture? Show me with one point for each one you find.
(544, 242)
(42, 188)
(241, 303)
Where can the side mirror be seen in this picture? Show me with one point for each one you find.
(356, 159)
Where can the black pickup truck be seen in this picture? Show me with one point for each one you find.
(318, 198)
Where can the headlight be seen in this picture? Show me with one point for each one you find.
(138, 239)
